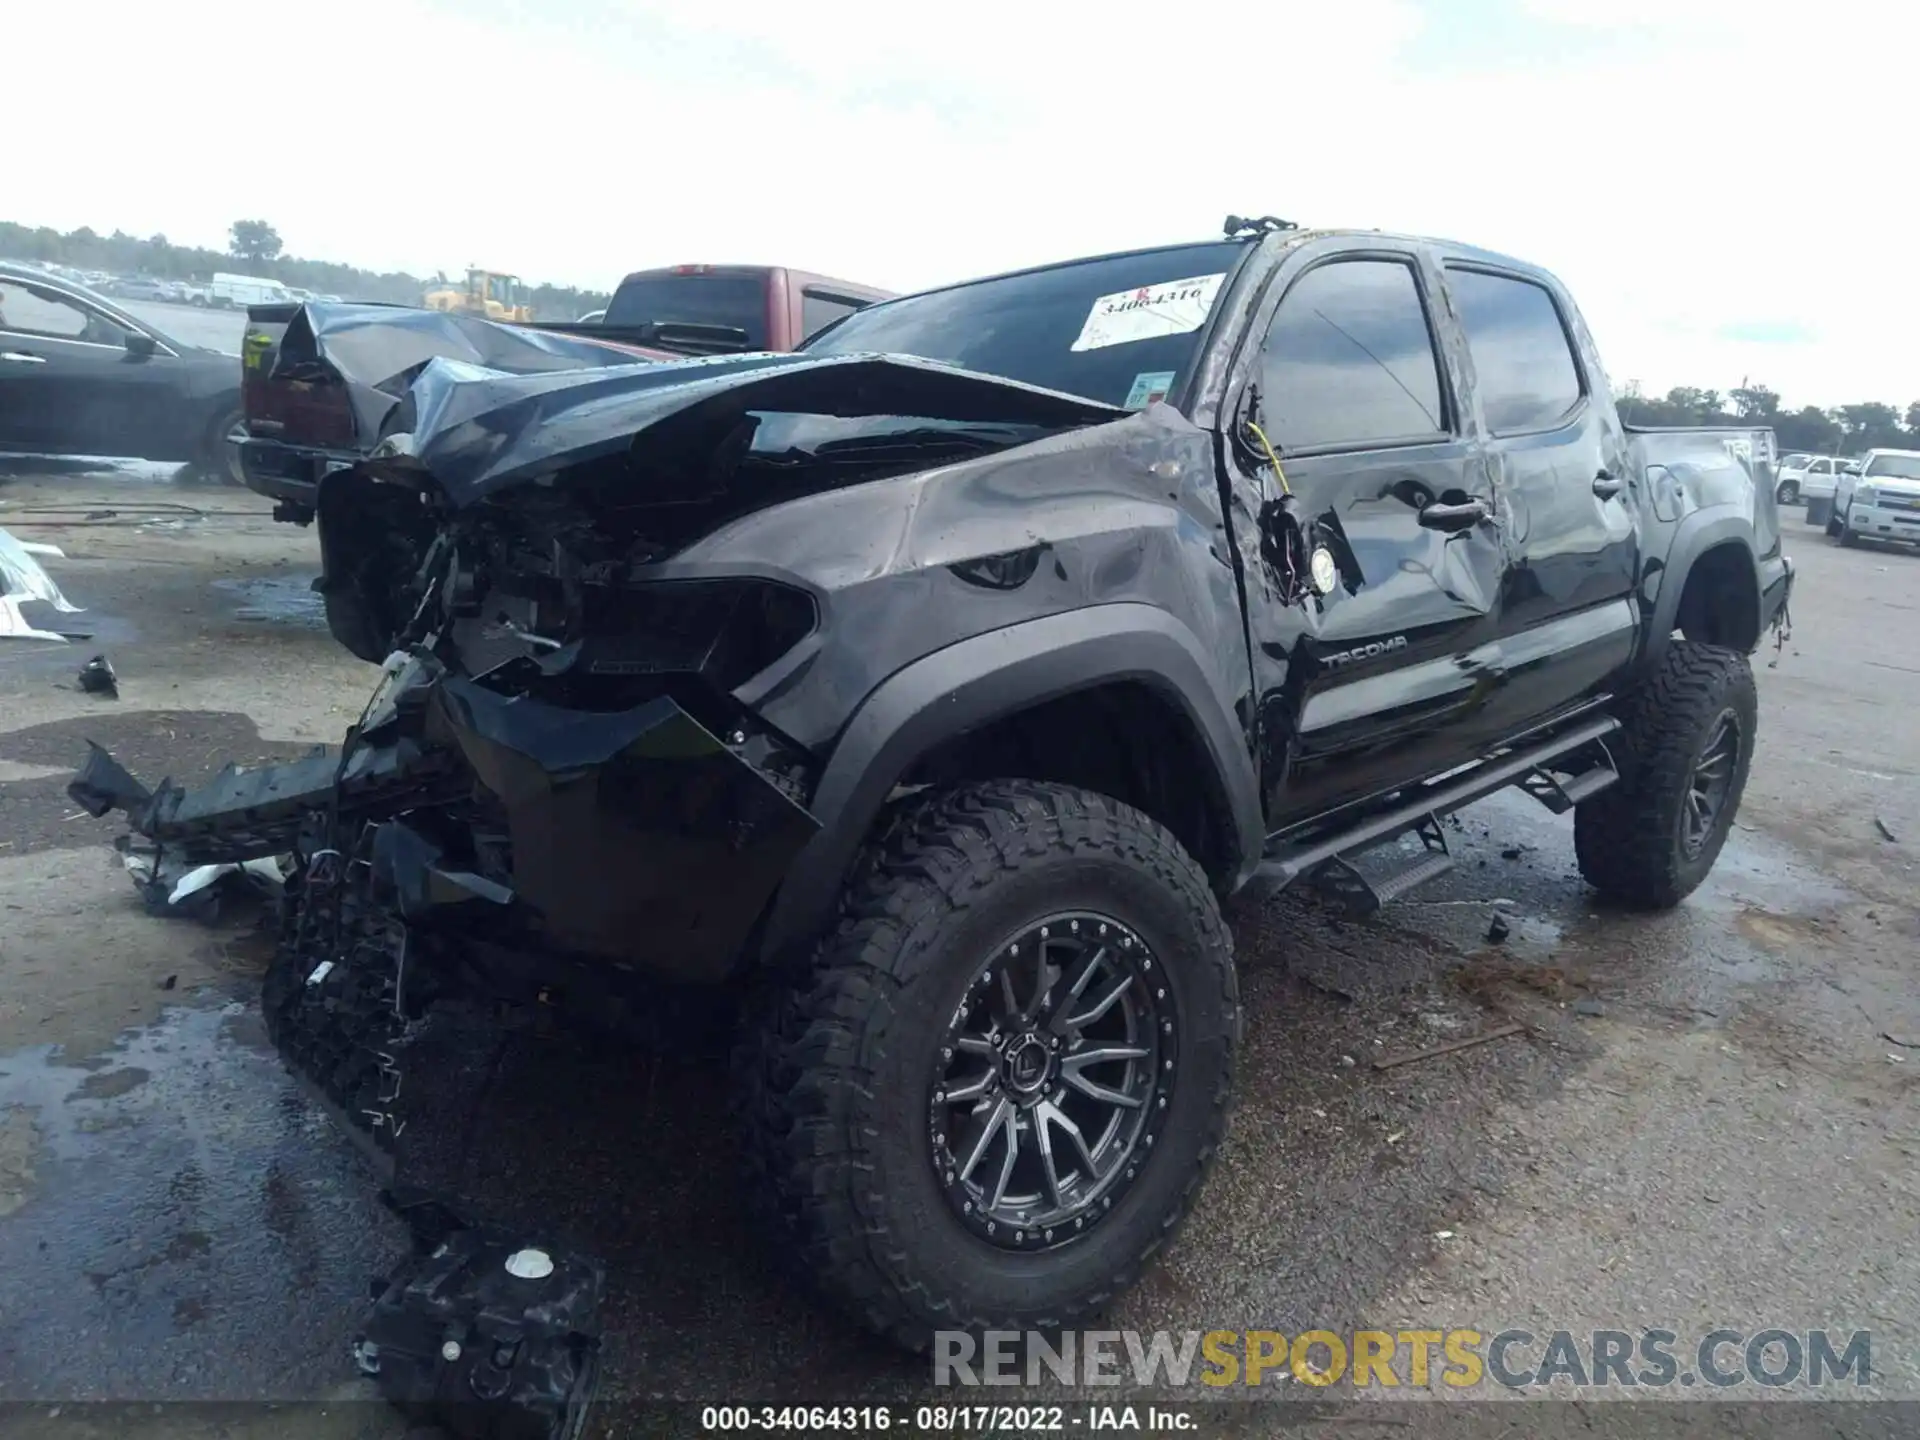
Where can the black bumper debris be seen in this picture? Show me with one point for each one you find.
(486, 1334)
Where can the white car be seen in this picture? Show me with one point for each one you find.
(1787, 476)
(1814, 482)
(1881, 502)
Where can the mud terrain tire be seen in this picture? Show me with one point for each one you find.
(1642, 841)
(840, 1078)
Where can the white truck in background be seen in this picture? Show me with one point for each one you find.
(1878, 499)
(236, 292)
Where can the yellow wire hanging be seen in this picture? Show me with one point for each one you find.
(1272, 455)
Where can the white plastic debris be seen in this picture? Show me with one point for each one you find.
(22, 578)
(201, 876)
(530, 1264)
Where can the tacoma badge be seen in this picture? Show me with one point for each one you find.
(1366, 652)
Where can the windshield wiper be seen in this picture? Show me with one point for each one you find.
(692, 337)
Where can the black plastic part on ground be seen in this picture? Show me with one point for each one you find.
(482, 1334)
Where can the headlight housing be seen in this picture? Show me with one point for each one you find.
(1865, 495)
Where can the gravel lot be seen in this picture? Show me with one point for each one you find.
(195, 324)
(1703, 1125)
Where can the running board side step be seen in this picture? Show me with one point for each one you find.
(1332, 858)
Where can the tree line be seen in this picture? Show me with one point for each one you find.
(255, 248)
(1844, 430)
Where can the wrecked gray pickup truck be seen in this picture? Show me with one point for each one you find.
(933, 687)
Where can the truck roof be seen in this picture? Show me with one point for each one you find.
(1282, 239)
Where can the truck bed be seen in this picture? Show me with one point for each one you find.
(1693, 468)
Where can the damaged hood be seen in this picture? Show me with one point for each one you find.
(377, 350)
(481, 407)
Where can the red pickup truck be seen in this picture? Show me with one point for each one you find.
(717, 308)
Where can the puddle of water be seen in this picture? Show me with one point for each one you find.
(1748, 924)
(105, 467)
(285, 599)
(187, 1226)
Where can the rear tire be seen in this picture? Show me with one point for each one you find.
(219, 460)
(1644, 841)
(863, 1171)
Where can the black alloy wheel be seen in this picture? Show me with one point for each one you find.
(1710, 783)
(1052, 1081)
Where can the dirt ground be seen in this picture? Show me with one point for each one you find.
(1704, 1124)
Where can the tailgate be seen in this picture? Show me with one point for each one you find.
(306, 404)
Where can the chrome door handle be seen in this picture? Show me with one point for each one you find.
(21, 358)
(1607, 486)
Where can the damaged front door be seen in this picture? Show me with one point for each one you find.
(1370, 663)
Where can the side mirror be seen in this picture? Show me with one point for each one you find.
(140, 345)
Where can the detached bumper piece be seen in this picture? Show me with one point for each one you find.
(246, 814)
(483, 1333)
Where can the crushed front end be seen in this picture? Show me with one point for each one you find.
(623, 617)
(565, 797)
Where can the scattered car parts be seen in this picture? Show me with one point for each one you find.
(97, 677)
(482, 1333)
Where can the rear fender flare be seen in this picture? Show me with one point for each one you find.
(988, 677)
(1700, 532)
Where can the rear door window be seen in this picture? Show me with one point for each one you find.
(738, 301)
(818, 309)
(1523, 363)
(1349, 360)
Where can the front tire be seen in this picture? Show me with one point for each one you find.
(921, 1138)
(1788, 493)
(1686, 744)
(1848, 536)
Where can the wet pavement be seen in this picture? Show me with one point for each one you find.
(1702, 1123)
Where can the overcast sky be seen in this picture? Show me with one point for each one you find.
(1728, 187)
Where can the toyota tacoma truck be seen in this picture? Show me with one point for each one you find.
(932, 688)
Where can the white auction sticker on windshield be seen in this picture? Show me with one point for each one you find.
(1175, 308)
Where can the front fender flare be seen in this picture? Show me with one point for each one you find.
(979, 680)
